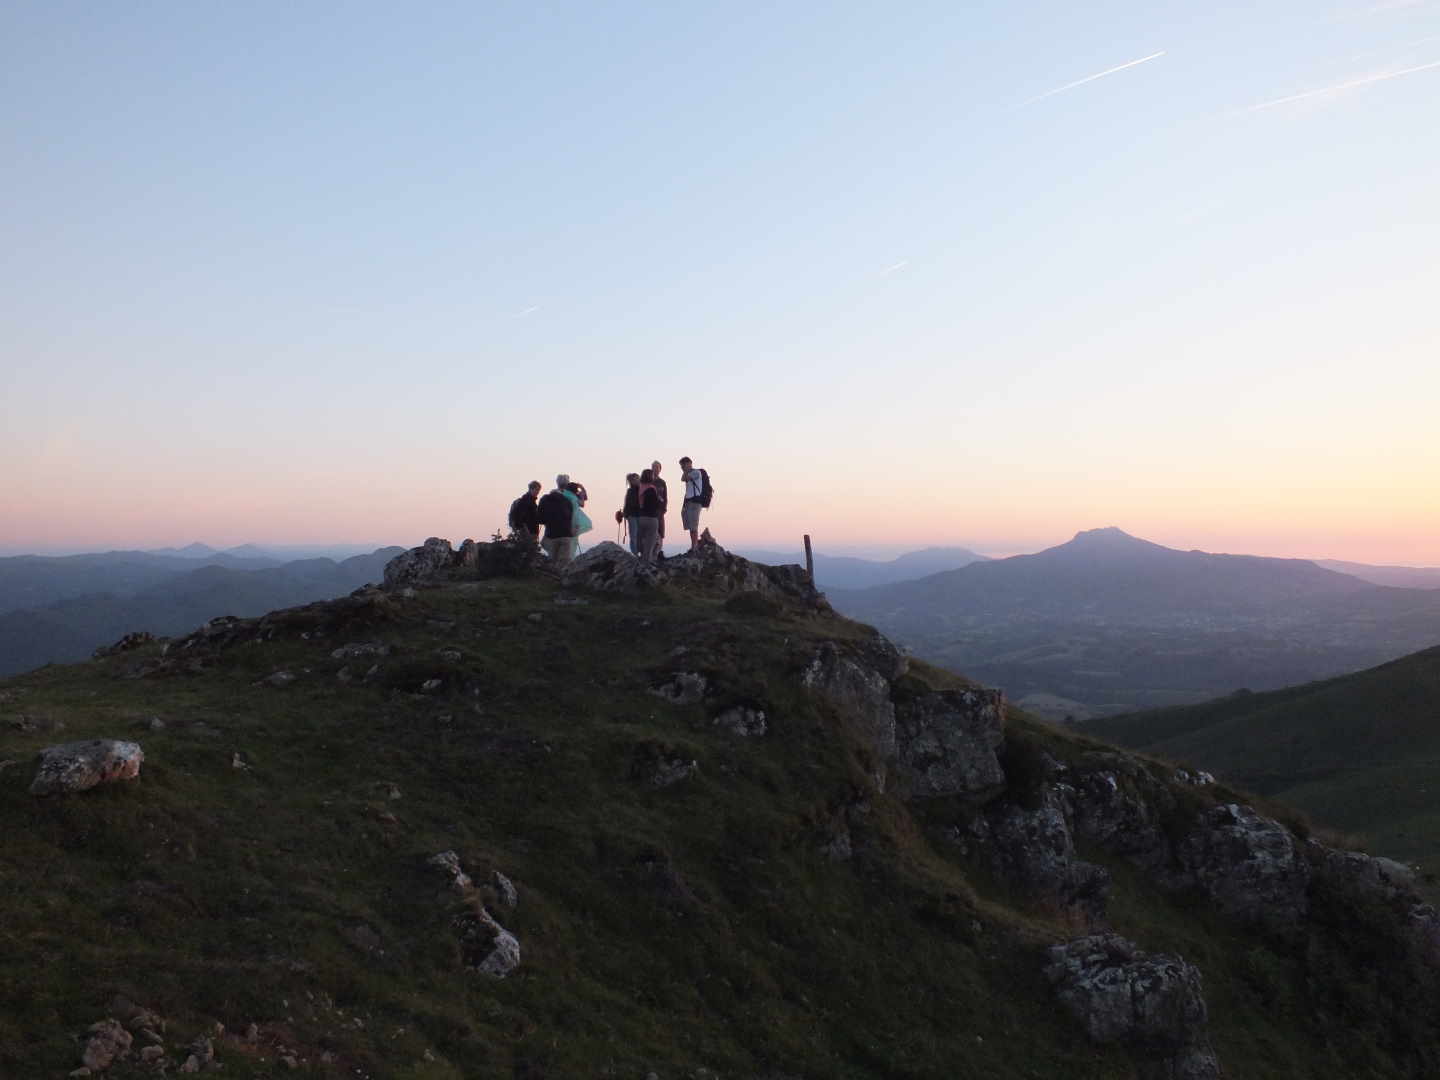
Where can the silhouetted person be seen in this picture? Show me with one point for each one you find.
(694, 499)
(557, 514)
(525, 515)
(647, 517)
(664, 492)
(630, 510)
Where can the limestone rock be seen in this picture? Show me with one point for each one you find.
(487, 946)
(506, 888)
(1249, 865)
(425, 563)
(671, 771)
(108, 1040)
(77, 766)
(1118, 806)
(682, 688)
(1152, 1003)
(357, 649)
(859, 691)
(1034, 850)
(608, 567)
(946, 742)
(742, 720)
(449, 864)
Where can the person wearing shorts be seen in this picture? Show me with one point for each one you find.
(690, 511)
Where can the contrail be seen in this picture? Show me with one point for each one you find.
(895, 268)
(1342, 86)
(1092, 78)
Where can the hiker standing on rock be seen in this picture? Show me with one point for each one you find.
(525, 516)
(647, 518)
(557, 514)
(697, 497)
(664, 493)
(630, 510)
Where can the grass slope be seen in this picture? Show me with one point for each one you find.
(670, 929)
(1359, 753)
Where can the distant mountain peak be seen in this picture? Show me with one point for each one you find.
(1108, 534)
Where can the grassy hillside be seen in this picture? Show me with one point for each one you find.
(1360, 752)
(269, 866)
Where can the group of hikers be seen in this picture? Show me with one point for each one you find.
(561, 513)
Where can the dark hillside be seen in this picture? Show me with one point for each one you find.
(732, 834)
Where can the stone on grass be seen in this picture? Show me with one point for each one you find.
(108, 1040)
(78, 766)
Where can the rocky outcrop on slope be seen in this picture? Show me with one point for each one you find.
(947, 741)
(1151, 1003)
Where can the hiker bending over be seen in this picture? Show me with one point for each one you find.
(557, 514)
(525, 516)
(647, 517)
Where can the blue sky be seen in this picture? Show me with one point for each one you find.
(350, 272)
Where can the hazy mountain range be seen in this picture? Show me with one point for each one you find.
(1110, 623)
(61, 608)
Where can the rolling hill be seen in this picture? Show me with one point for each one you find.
(1360, 752)
(847, 572)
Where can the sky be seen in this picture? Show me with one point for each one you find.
(896, 274)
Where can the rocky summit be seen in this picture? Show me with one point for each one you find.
(491, 819)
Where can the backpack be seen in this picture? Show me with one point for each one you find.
(707, 490)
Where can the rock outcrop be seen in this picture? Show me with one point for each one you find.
(946, 742)
(1033, 849)
(861, 693)
(1249, 866)
(78, 766)
(1151, 1003)
(425, 563)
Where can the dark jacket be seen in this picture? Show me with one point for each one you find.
(525, 512)
(632, 502)
(664, 495)
(649, 502)
(557, 514)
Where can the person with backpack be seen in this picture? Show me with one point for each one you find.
(557, 514)
(647, 518)
(524, 517)
(630, 510)
(698, 493)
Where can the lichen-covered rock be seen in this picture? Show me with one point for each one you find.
(108, 1041)
(946, 742)
(1248, 865)
(608, 567)
(713, 565)
(487, 947)
(682, 688)
(448, 863)
(1151, 1003)
(742, 720)
(860, 692)
(1118, 806)
(425, 563)
(1033, 849)
(357, 649)
(77, 766)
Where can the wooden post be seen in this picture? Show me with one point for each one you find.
(809, 560)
